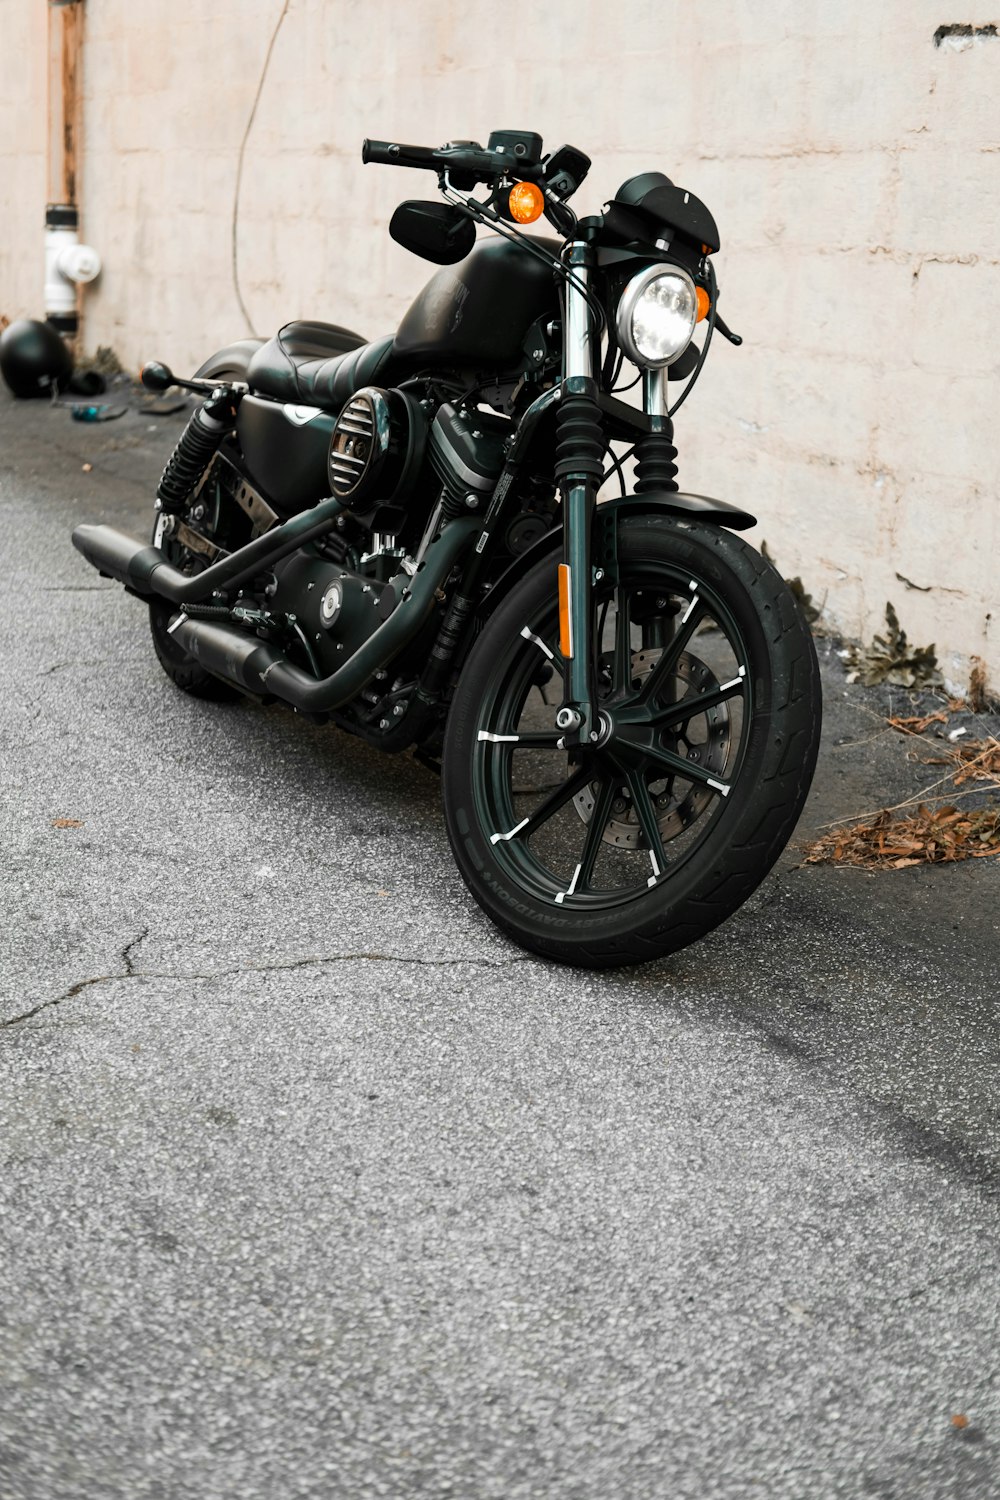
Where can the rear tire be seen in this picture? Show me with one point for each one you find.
(183, 671)
(713, 686)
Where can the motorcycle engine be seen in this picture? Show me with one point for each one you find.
(334, 608)
(377, 463)
(467, 454)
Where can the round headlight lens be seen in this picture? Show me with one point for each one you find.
(657, 316)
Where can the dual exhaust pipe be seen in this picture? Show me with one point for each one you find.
(253, 665)
(145, 570)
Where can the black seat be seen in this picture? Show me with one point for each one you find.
(318, 364)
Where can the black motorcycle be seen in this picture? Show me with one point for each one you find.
(405, 537)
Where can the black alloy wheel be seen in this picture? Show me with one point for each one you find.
(184, 672)
(667, 818)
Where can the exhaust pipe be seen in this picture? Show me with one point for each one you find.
(145, 570)
(259, 668)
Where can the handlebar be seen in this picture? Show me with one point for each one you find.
(386, 154)
(467, 158)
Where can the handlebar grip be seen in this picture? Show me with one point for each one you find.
(466, 158)
(389, 154)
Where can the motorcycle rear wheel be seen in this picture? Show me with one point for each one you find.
(627, 850)
(184, 672)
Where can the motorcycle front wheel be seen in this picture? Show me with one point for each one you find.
(643, 840)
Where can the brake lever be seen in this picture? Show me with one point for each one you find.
(727, 333)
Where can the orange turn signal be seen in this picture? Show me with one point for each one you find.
(565, 622)
(704, 304)
(526, 203)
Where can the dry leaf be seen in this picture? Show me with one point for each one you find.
(891, 659)
(917, 725)
(67, 823)
(924, 837)
(976, 760)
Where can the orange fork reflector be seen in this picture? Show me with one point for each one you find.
(565, 620)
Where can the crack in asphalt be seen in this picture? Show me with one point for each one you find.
(916, 1138)
(62, 666)
(131, 972)
(127, 951)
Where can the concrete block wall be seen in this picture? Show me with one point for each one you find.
(851, 164)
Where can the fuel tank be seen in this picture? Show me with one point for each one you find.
(477, 313)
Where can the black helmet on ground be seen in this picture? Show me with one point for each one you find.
(34, 358)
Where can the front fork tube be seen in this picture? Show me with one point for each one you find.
(579, 471)
(658, 631)
(580, 467)
(578, 715)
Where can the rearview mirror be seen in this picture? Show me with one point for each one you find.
(439, 232)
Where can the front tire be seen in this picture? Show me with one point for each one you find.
(629, 850)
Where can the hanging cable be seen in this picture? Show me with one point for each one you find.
(713, 293)
(483, 214)
(234, 255)
(615, 389)
(617, 466)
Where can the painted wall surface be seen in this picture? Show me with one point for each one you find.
(853, 167)
(23, 143)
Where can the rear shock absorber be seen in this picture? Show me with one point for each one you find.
(196, 447)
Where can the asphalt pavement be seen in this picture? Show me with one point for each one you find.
(314, 1186)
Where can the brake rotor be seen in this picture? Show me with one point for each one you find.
(675, 810)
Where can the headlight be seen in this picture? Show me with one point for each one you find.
(657, 315)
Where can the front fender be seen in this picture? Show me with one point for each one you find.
(652, 502)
